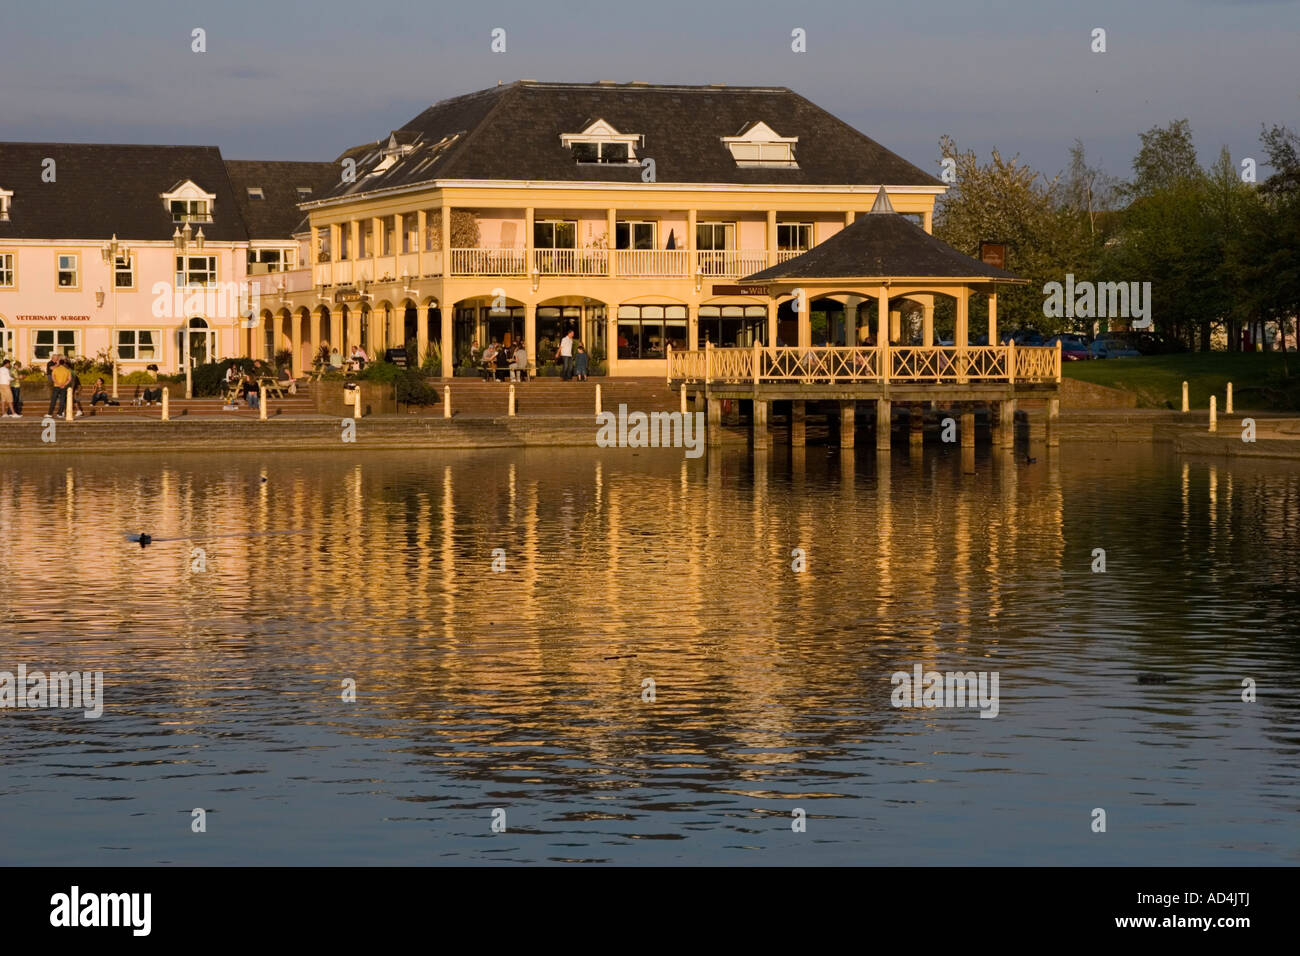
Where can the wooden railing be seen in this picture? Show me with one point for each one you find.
(897, 363)
(487, 262)
(650, 262)
(571, 262)
(730, 262)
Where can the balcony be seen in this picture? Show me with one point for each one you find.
(578, 263)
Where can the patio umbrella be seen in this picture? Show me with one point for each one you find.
(672, 240)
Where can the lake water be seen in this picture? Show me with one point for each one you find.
(523, 690)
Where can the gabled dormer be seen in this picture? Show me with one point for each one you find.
(187, 202)
(400, 143)
(757, 144)
(601, 143)
(6, 200)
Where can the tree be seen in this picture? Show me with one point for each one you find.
(1167, 157)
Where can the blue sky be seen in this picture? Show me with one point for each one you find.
(305, 80)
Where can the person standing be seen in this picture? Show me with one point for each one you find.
(6, 390)
(74, 392)
(17, 387)
(60, 380)
(49, 380)
(580, 363)
(566, 355)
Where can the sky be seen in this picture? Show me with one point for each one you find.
(306, 80)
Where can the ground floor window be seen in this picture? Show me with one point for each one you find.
(47, 342)
(595, 335)
(138, 345)
(645, 331)
(504, 326)
(6, 342)
(554, 322)
(732, 326)
(464, 333)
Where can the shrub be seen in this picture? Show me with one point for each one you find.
(210, 378)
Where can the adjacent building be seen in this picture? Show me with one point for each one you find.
(115, 251)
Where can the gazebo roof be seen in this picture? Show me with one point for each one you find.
(882, 244)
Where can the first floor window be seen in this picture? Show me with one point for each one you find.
(715, 236)
(555, 234)
(124, 272)
(794, 236)
(69, 267)
(190, 210)
(269, 260)
(54, 342)
(7, 275)
(646, 331)
(634, 235)
(196, 270)
(732, 325)
(138, 345)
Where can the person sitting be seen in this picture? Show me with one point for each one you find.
(519, 364)
(100, 395)
(359, 358)
(502, 369)
(287, 381)
(489, 361)
(336, 360)
(252, 391)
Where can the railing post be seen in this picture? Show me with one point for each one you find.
(446, 401)
(598, 403)
(708, 362)
(756, 354)
(884, 362)
(166, 404)
(1011, 361)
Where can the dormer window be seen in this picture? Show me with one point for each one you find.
(304, 193)
(5, 197)
(393, 151)
(759, 145)
(188, 203)
(255, 192)
(603, 144)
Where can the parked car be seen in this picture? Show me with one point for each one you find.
(1113, 348)
(1024, 337)
(1073, 347)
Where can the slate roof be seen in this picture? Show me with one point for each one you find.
(513, 132)
(100, 190)
(881, 244)
(276, 216)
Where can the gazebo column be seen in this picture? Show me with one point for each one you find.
(883, 415)
(771, 323)
(804, 316)
(993, 318)
(927, 319)
(882, 329)
(851, 319)
(895, 325)
(961, 338)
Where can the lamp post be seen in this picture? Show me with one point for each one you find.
(181, 239)
(111, 250)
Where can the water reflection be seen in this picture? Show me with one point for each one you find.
(522, 687)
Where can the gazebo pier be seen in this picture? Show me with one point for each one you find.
(952, 384)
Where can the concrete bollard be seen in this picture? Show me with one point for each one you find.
(446, 401)
(1214, 413)
(683, 399)
(1186, 406)
(1227, 405)
(166, 404)
(68, 404)
(261, 405)
(597, 398)
(510, 403)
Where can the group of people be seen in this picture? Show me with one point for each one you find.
(501, 358)
(496, 358)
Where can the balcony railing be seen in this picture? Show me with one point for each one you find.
(650, 262)
(730, 263)
(581, 263)
(896, 363)
(571, 262)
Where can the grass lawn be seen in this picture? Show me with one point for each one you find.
(1258, 378)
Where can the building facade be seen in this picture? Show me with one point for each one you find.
(145, 255)
(623, 212)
